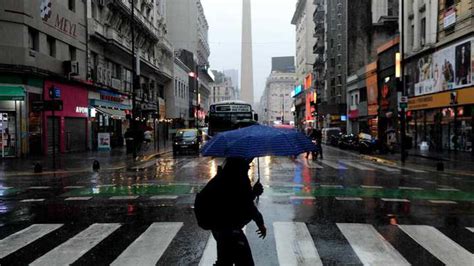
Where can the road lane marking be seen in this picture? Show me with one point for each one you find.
(164, 197)
(209, 256)
(73, 187)
(332, 186)
(448, 189)
(313, 165)
(302, 198)
(106, 185)
(348, 199)
(394, 200)
(470, 229)
(5, 188)
(442, 202)
(148, 248)
(32, 200)
(370, 246)
(371, 187)
(123, 198)
(410, 188)
(357, 166)
(334, 165)
(294, 244)
(39, 187)
(443, 248)
(385, 168)
(75, 247)
(78, 198)
(25, 237)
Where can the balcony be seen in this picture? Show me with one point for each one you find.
(94, 27)
(144, 24)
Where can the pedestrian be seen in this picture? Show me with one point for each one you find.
(225, 206)
(318, 136)
(309, 133)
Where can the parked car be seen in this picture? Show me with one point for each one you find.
(367, 143)
(187, 140)
(328, 133)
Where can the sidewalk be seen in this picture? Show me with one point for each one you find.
(115, 159)
(461, 162)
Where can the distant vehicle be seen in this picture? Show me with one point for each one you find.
(328, 133)
(229, 115)
(187, 140)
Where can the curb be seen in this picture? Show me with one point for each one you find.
(88, 169)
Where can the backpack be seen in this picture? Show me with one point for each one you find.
(205, 205)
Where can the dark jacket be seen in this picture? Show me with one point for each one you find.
(235, 205)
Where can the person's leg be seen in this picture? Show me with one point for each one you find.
(243, 254)
(224, 247)
(321, 150)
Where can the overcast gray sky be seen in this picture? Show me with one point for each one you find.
(273, 35)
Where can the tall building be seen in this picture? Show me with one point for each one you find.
(305, 31)
(233, 74)
(276, 102)
(188, 31)
(247, 93)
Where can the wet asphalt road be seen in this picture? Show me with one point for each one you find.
(338, 211)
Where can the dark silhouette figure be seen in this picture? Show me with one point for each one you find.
(234, 208)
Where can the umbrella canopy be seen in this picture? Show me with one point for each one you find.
(257, 141)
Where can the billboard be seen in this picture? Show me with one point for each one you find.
(447, 69)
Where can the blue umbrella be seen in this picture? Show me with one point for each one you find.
(257, 141)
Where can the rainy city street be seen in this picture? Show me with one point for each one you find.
(331, 211)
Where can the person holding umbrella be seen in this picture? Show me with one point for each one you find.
(226, 204)
(233, 208)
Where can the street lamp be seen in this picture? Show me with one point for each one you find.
(194, 75)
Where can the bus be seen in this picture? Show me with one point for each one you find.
(229, 115)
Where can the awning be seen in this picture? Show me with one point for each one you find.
(114, 113)
(12, 93)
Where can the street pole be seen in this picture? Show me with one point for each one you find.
(197, 97)
(283, 109)
(133, 123)
(402, 82)
(54, 138)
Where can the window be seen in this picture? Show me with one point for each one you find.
(72, 53)
(412, 35)
(51, 42)
(363, 94)
(116, 71)
(175, 87)
(423, 31)
(71, 4)
(33, 41)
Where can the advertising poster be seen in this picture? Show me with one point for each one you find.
(425, 83)
(103, 141)
(447, 69)
(463, 64)
(444, 69)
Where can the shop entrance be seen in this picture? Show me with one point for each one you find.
(7, 134)
(75, 137)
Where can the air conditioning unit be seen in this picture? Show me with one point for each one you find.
(71, 67)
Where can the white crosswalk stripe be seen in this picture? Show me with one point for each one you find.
(381, 167)
(209, 256)
(294, 244)
(370, 246)
(74, 248)
(443, 248)
(149, 246)
(357, 165)
(24, 237)
(334, 165)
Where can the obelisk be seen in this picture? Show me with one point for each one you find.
(246, 80)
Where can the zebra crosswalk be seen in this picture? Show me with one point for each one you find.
(345, 164)
(294, 244)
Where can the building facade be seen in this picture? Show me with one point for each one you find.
(439, 76)
(222, 89)
(79, 52)
(188, 31)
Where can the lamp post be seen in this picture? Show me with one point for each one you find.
(400, 76)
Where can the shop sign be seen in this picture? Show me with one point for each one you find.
(449, 18)
(446, 69)
(353, 114)
(60, 22)
(103, 140)
(82, 110)
(308, 81)
(444, 99)
(298, 90)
